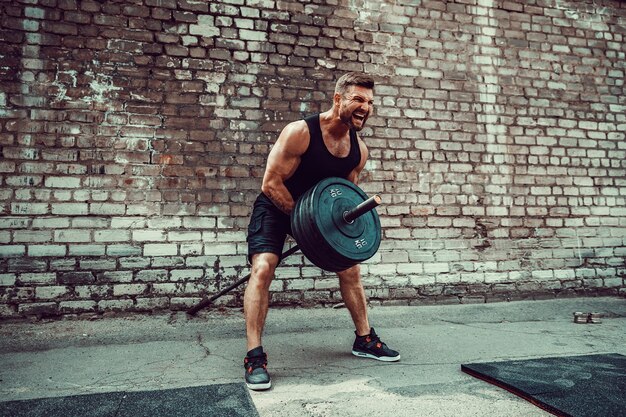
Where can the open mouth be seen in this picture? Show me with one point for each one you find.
(360, 117)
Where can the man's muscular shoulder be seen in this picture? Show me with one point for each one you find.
(295, 137)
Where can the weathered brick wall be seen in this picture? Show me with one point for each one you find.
(134, 134)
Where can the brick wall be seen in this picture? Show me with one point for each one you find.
(134, 134)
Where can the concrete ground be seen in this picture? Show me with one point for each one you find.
(313, 372)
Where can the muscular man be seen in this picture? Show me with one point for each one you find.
(307, 151)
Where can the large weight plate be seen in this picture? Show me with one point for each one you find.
(311, 240)
(357, 241)
(305, 237)
(324, 236)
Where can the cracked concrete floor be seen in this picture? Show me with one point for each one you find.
(313, 372)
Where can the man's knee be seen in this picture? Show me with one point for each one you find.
(263, 268)
(351, 275)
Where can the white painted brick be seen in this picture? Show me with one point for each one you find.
(107, 208)
(212, 249)
(51, 223)
(191, 248)
(613, 282)
(50, 292)
(410, 268)
(199, 222)
(5, 236)
(473, 277)
(87, 250)
(129, 289)
(184, 274)
(90, 222)
(32, 236)
(167, 288)
(160, 249)
(115, 305)
(543, 275)
(14, 222)
(169, 222)
(47, 250)
(382, 269)
(72, 236)
(434, 268)
(128, 222)
(12, 250)
(7, 280)
(38, 278)
(300, 284)
(284, 272)
(327, 284)
(496, 277)
(75, 209)
(123, 250)
(204, 27)
(62, 182)
(29, 208)
(148, 235)
(252, 35)
(564, 274)
(448, 279)
(183, 236)
(307, 272)
(486, 266)
(372, 281)
(114, 276)
(223, 236)
(112, 235)
(152, 303)
(84, 306)
(277, 285)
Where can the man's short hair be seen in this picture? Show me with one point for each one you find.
(353, 78)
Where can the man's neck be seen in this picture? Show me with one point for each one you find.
(331, 123)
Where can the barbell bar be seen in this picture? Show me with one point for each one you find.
(361, 209)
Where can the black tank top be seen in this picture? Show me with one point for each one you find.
(318, 163)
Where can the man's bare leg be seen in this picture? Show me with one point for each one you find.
(353, 296)
(367, 343)
(256, 297)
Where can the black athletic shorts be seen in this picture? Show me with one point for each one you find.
(268, 228)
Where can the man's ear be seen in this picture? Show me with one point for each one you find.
(337, 99)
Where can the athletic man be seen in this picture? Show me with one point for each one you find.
(307, 151)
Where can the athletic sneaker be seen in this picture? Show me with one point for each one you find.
(255, 363)
(372, 347)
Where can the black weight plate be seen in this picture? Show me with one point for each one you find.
(325, 238)
(336, 260)
(356, 242)
(300, 227)
(309, 238)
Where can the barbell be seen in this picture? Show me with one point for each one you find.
(334, 225)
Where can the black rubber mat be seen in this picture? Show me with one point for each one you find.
(574, 386)
(227, 400)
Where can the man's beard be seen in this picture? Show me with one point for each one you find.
(349, 119)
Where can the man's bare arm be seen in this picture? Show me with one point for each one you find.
(282, 162)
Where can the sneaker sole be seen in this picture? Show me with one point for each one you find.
(259, 387)
(378, 358)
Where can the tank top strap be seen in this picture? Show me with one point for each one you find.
(313, 122)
